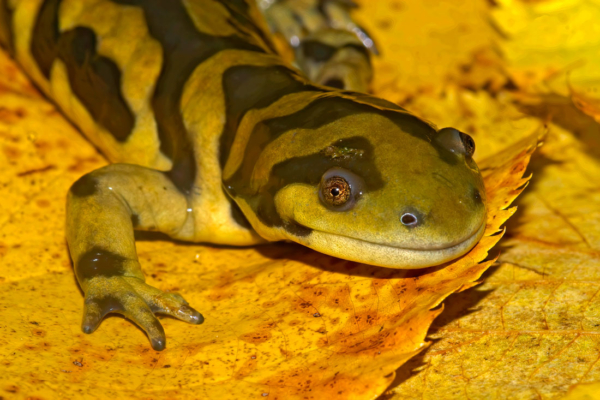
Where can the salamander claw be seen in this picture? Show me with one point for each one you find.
(174, 304)
(138, 302)
(95, 309)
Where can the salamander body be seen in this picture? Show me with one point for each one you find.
(214, 138)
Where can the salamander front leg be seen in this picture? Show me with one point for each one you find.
(103, 208)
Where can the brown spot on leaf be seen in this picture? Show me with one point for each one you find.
(11, 152)
(42, 203)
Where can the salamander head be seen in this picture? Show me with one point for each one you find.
(363, 184)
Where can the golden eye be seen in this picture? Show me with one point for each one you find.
(340, 189)
(335, 191)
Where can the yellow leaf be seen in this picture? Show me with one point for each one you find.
(589, 105)
(550, 45)
(422, 42)
(281, 321)
(584, 392)
(531, 329)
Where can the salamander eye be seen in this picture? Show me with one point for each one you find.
(339, 189)
(456, 141)
(336, 191)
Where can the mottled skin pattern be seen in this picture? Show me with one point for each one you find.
(215, 139)
(329, 47)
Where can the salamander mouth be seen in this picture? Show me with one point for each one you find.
(389, 256)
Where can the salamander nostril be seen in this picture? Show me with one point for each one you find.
(409, 219)
(477, 196)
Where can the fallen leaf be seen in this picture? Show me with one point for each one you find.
(550, 46)
(422, 43)
(531, 329)
(281, 321)
(584, 392)
(589, 105)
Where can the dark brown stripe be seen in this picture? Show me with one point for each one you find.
(410, 124)
(318, 113)
(44, 40)
(335, 83)
(328, 109)
(309, 170)
(85, 186)
(321, 52)
(239, 10)
(317, 51)
(297, 229)
(99, 262)
(184, 48)
(237, 215)
(241, 5)
(6, 27)
(95, 80)
(253, 87)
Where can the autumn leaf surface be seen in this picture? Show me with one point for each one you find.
(531, 330)
(549, 46)
(281, 321)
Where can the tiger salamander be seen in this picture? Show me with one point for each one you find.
(214, 138)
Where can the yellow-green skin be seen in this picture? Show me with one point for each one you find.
(215, 139)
